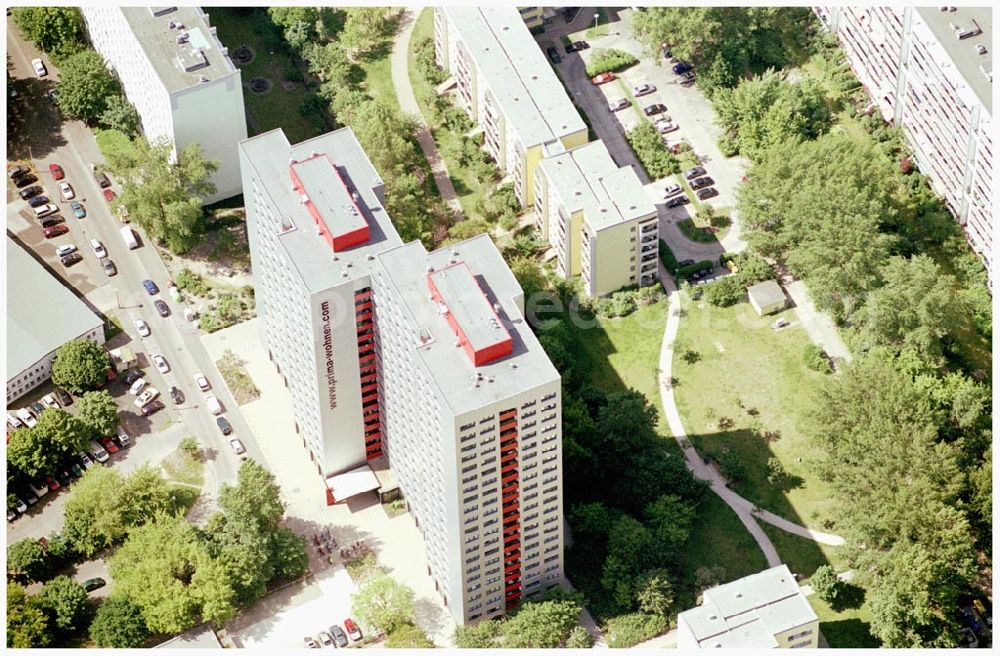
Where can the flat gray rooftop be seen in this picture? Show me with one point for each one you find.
(316, 263)
(446, 365)
(528, 91)
(179, 65)
(42, 314)
(963, 53)
(588, 179)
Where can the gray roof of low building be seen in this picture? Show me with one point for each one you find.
(42, 314)
(971, 65)
(588, 179)
(179, 66)
(315, 262)
(765, 293)
(199, 637)
(464, 386)
(528, 91)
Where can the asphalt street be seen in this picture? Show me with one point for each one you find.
(73, 147)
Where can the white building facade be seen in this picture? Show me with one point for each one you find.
(179, 77)
(929, 70)
(421, 358)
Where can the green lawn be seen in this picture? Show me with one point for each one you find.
(625, 352)
(278, 107)
(848, 629)
(184, 469)
(468, 188)
(740, 359)
(593, 32)
(378, 80)
(802, 555)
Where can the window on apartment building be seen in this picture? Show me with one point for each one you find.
(799, 645)
(796, 636)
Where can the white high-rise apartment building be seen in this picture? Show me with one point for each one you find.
(180, 78)
(930, 70)
(422, 358)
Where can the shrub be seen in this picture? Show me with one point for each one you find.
(189, 445)
(628, 630)
(605, 60)
(291, 73)
(775, 470)
(191, 282)
(731, 465)
(826, 584)
(725, 292)
(668, 258)
(658, 161)
(816, 359)
(407, 636)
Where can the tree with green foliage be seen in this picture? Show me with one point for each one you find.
(725, 292)
(579, 638)
(118, 624)
(630, 552)
(383, 603)
(65, 601)
(120, 115)
(727, 43)
(86, 86)
(365, 29)
(981, 482)
(767, 109)
(825, 583)
(651, 151)
(27, 624)
(28, 452)
(331, 64)
(165, 570)
(604, 60)
(541, 625)
(529, 276)
(655, 593)
(99, 413)
(408, 636)
(26, 559)
(80, 365)
(629, 630)
(485, 635)
(820, 207)
(57, 31)
(164, 196)
(917, 307)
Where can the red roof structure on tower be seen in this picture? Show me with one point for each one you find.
(333, 207)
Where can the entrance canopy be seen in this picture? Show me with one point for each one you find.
(351, 483)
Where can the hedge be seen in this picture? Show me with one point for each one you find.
(667, 258)
(608, 59)
(648, 145)
(629, 630)
(685, 272)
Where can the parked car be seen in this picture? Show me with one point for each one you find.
(577, 46)
(655, 108)
(684, 263)
(17, 170)
(65, 249)
(705, 194)
(693, 173)
(102, 180)
(202, 382)
(137, 386)
(55, 231)
(78, 210)
(213, 405)
(176, 395)
(310, 642)
(109, 195)
(131, 375)
(687, 79)
(553, 55)
(700, 183)
(671, 190)
(38, 201)
(682, 67)
(39, 67)
(142, 328)
(109, 266)
(677, 201)
(339, 635)
(24, 415)
(108, 444)
(619, 104)
(67, 191)
(64, 398)
(151, 407)
(664, 127)
(37, 408)
(98, 248)
(24, 180)
(122, 437)
(162, 308)
(161, 364)
(76, 469)
(50, 401)
(71, 259)
(224, 425)
(53, 96)
(56, 171)
(28, 192)
(325, 639)
(148, 395)
(85, 460)
(151, 287)
(640, 90)
(63, 477)
(93, 584)
(603, 78)
(20, 506)
(237, 446)
(352, 629)
(13, 421)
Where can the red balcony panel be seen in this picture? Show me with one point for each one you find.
(508, 413)
(507, 529)
(512, 497)
(509, 478)
(512, 548)
(371, 387)
(365, 306)
(512, 467)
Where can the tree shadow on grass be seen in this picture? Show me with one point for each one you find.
(849, 634)
(849, 596)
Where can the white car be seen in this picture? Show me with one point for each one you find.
(642, 89)
(65, 249)
(29, 419)
(671, 190)
(67, 191)
(664, 128)
(621, 103)
(39, 67)
(137, 386)
(147, 396)
(237, 446)
(142, 327)
(202, 382)
(13, 421)
(161, 364)
(50, 401)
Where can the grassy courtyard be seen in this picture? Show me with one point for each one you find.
(742, 387)
(848, 629)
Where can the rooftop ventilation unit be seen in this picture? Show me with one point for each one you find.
(162, 11)
(981, 49)
(171, 24)
(182, 38)
(313, 153)
(966, 31)
(202, 78)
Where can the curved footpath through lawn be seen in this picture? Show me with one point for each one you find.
(744, 509)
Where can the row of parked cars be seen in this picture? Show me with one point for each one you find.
(336, 637)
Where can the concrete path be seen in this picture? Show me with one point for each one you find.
(666, 641)
(807, 590)
(818, 325)
(408, 103)
(743, 508)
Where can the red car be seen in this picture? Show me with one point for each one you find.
(603, 78)
(109, 195)
(352, 629)
(57, 171)
(109, 445)
(52, 483)
(55, 231)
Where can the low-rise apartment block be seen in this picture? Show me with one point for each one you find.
(507, 87)
(423, 359)
(930, 70)
(597, 218)
(180, 78)
(766, 610)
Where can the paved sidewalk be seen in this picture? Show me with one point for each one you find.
(666, 641)
(818, 325)
(399, 61)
